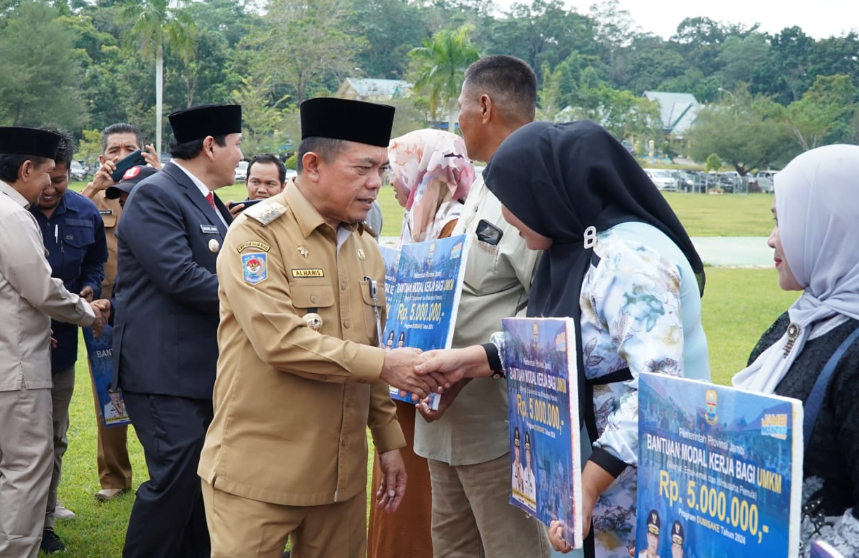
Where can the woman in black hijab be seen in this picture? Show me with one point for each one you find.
(617, 260)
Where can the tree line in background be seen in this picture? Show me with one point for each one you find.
(84, 64)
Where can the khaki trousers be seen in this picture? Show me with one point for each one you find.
(472, 516)
(26, 457)
(114, 466)
(61, 398)
(243, 528)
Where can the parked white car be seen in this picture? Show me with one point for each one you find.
(78, 171)
(241, 171)
(764, 180)
(663, 179)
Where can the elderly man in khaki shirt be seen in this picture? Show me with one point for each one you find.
(467, 442)
(118, 141)
(29, 298)
(300, 372)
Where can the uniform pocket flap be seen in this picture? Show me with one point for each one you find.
(368, 296)
(79, 236)
(109, 219)
(312, 296)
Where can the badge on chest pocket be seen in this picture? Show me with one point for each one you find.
(488, 233)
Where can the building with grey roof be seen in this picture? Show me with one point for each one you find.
(679, 112)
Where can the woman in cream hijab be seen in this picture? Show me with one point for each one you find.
(431, 175)
(816, 244)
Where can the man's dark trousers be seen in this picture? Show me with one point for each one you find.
(171, 430)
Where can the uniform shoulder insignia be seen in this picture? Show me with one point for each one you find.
(265, 213)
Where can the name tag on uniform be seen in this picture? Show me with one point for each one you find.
(296, 273)
(106, 211)
(209, 229)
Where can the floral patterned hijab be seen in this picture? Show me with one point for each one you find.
(431, 170)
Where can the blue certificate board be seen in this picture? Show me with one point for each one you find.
(100, 354)
(543, 415)
(423, 283)
(719, 470)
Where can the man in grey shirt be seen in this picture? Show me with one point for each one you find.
(466, 441)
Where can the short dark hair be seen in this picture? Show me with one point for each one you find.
(328, 149)
(11, 164)
(266, 159)
(120, 128)
(65, 149)
(509, 81)
(191, 149)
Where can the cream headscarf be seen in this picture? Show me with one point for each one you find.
(432, 170)
(817, 203)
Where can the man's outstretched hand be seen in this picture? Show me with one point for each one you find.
(398, 371)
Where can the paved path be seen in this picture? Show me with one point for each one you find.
(734, 251)
(740, 251)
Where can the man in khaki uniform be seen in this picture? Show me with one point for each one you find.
(467, 441)
(117, 142)
(29, 298)
(300, 372)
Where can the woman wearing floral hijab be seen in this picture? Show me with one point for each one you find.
(816, 243)
(617, 260)
(431, 175)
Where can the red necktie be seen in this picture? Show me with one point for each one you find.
(211, 199)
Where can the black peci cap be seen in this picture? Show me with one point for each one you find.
(18, 140)
(343, 119)
(197, 123)
(130, 179)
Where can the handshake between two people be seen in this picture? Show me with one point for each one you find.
(101, 309)
(440, 371)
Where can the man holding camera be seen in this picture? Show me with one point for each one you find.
(118, 141)
(266, 178)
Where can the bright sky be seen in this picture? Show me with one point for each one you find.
(818, 18)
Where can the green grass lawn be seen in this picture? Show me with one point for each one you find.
(739, 305)
(702, 215)
(725, 215)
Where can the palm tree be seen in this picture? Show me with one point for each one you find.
(442, 62)
(156, 23)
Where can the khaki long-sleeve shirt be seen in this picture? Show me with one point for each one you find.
(292, 405)
(29, 298)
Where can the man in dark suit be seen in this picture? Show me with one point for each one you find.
(165, 338)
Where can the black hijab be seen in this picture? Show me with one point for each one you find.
(560, 179)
